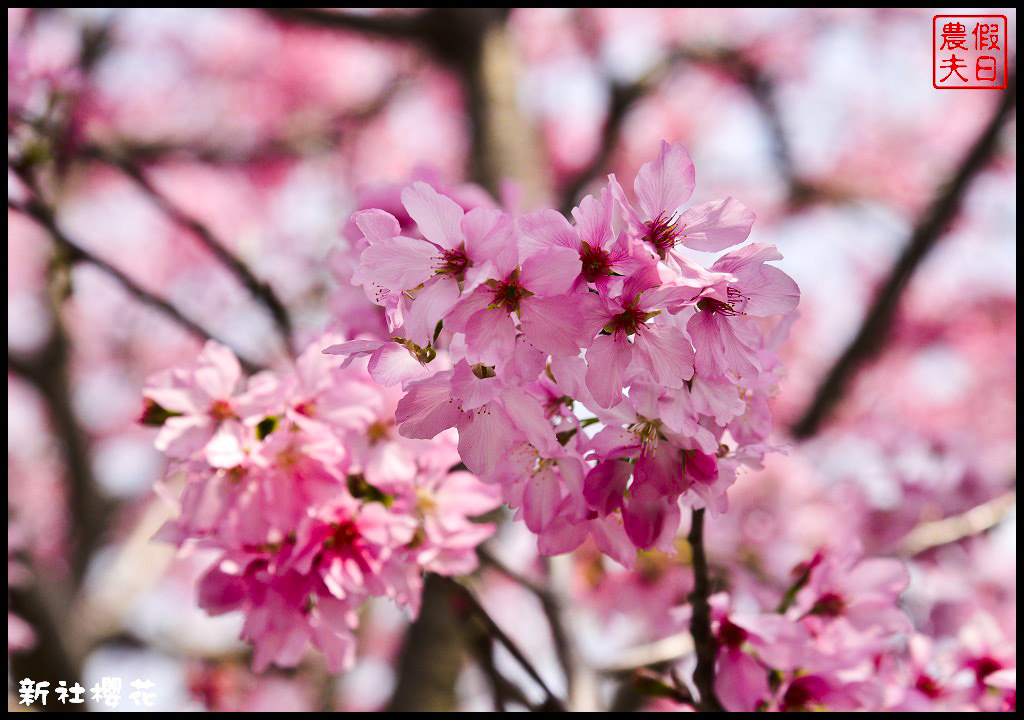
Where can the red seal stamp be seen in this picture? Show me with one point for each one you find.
(969, 52)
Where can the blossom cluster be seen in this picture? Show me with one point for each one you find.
(311, 500)
(839, 640)
(593, 369)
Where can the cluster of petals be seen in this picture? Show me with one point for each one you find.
(594, 371)
(821, 647)
(839, 640)
(311, 499)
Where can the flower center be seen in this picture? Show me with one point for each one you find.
(828, 605)
(379, 430)
(717, 306)
(661, 234)
(629, 320)
(508, 293)
(221, 410)
(454, 263)
(344, 536)
(731, 635)
(595, 261)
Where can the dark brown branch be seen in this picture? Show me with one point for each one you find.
(455, 38)
(259, 289)
(700, 622)
(552, 608)
(431, 656)
(74, 253)
(623, 97)
(498, 635)
(391, 27)
(761, 88)
(286, 147)
(929, 228)
(48, 659)
(503, 689)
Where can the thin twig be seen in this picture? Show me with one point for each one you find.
(391, 27)
(700, 622)
(455, 38)
(623, 97)
(499, 635)
(975, 521)
(551, 605)
(49, 659)
(504, 690)
(928, 230)
(74, 252)
(323, 139)
(259, 289)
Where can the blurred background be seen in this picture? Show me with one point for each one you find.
(176, 175)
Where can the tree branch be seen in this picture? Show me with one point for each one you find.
(700, 622)
(389, 27)
(74, 253)
(930, 227)
(259, 289)
(497, 634)
(553, 607)
(975, 521)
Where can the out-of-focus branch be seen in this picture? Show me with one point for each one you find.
(503, 689)
(665, 650)
(624, 96)
(581, 690)
(288, 146)
(975, 521)
(431, 656)
(491, 628)
(700, 622)
(391, 27)
(74, 253)
(259, 289)
(928, 229)
(49, 658)
(463, 40)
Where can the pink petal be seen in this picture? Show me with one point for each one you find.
(650, 522)
(741, 682)
(715, 225)
(768, 292)
(393, 364)
(487, 232)
(490, 336)
(377, 224)
(551, 324)
(551, 271)
(605, 485)
(528, 415)
(594, 219)
(438, 217)
(431, 305)
(546, 228)
(541, 496)
(720, 346)
(665, 352)
(628, 212)
(485, 437)
(427, 408)
(666, 182)
(562, 535)
(353, 349)
(607, 359)
(398, 263)
(472, 392)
